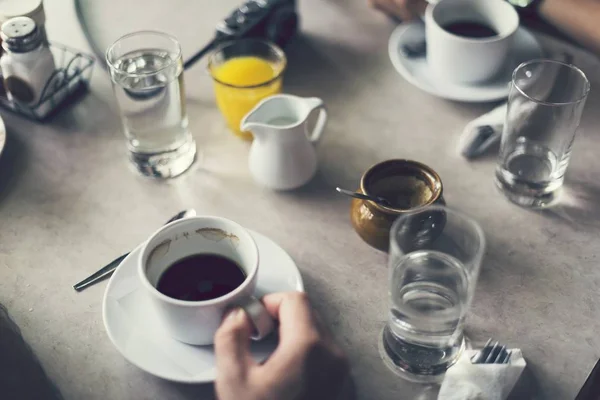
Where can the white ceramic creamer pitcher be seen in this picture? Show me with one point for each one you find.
(282, 155)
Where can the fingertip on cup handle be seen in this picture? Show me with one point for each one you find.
(262, 321)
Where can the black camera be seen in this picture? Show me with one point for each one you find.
(274, 20)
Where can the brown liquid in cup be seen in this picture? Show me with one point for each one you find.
(201, 277)
(468, 29)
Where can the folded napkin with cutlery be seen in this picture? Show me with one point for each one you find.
(467, 381)
(481, 133)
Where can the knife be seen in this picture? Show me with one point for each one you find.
(108, 270)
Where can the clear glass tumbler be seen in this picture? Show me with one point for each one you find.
(544, 110)
(147, 74)
(245, 72)
(434, 260)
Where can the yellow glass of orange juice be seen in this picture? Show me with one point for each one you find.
(244, 72)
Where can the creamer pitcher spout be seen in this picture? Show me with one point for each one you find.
(248, 124)
(260, 119)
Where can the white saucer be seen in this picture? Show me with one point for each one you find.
(137, 333)
(416, 70)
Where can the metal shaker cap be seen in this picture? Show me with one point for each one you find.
(20, 35)
(33, 9)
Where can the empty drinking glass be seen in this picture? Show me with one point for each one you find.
(434, 260)
(147, 74)
(544, 110)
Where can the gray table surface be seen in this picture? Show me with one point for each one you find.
(69, 204)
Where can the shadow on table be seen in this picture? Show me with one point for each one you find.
(12, 163)
(207, 391)
(319, 192)
(319, 188)
(92, 115)
(527, 387)
(192, 392)
(579, 205)
(312, 71)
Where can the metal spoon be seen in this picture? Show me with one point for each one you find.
(375, 199)
(107, 271)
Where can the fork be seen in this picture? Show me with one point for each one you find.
(492, 354)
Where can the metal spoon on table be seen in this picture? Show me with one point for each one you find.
(356, 195)
(108, 270)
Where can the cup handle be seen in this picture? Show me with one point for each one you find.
(260, 317)
(320, 125)
(429, 4)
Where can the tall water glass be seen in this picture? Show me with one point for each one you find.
(434, 260)
(544, 110)
(147, 74)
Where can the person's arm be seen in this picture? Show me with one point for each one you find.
(579, 19)
(21, 375)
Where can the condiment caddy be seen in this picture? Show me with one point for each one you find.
(69, 80)
(37, 77)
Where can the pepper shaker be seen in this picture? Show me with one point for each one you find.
(27, 63)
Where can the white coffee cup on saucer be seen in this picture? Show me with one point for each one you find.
(463, 59)
(195, 322)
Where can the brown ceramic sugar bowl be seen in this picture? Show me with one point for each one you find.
(405, 184)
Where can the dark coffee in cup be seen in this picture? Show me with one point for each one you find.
(201, 277)
(469, 41)
(195, 269)
(470, 29)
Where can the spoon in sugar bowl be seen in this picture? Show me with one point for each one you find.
(356, 195)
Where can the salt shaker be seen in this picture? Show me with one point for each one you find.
(33, 9)
(27, 63)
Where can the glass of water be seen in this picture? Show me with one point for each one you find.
(544, 110)
(147, 73)
(434, 260)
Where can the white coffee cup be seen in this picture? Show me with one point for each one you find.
(462, 59)
(195, 322)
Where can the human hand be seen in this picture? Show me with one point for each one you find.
(406, 10)
(307, 364)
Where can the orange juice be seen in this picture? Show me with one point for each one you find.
(240, 83)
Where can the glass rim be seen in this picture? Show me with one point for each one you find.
(171, 62)
(464, 217)
(548, 61)
(273, 46)
(435, 194)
